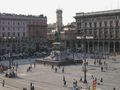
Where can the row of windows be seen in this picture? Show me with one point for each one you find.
(105, 36)
(90, 31)
(15, 45)
(6, 22)
(18, 34)
(106, 32)
(111, 35)
(22, 23)
(9, 28)
(99, 24)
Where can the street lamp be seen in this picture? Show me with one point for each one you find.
(84, 49)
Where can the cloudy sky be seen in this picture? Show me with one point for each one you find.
(48, 7)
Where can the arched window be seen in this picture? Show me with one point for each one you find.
(95, 24)
(111, 22)
(105, 23)
(90, 24)
(100, 24)
(116, 23)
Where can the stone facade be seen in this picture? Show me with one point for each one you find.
(68, 36)
(14, 30)
(104, 26)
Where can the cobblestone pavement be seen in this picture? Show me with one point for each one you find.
(44, 77)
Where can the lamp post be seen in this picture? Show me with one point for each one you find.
(7, 39)
(84, 37)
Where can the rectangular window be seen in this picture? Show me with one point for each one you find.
(85, 24)
(13, 33)
(111, 22)
(8, 33)
(3, 34)
(95, 24)
(105, 23)
(90, 24)
(3, 28)
(116, 23)
(18, 34)
(18, 29)
(100, 24)
(23, 34)
(8, 28)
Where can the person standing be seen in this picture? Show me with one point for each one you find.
(34, 64)
(31, 86)
(55, 69)
(74, 84)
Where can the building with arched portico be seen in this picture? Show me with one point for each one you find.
(104, 26)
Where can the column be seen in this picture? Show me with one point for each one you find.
(65, 44)
(98, 47)
(76, 44)
(88, 47)
(103, 47)
(108, 46)
(119, 48)
(114, 48)
(93, 47)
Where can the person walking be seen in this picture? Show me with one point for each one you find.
(52, 66)
(3, 83)
(95, 62)
(64, 82)
(63, 78)
(92, 77)
(76, 83)
(101, 69)
(114, 89)
(96, 79)
(63, 70)
(101, 80)
(81, 79)
(59, 66)
(31, 84)
(24, 88)
(55, 69)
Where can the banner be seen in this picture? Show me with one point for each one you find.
(94, 85)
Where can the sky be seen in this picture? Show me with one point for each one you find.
(48, 7)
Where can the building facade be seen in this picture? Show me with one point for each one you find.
(37, 33)
(103, 26)
(14, 32)
(67, 36)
